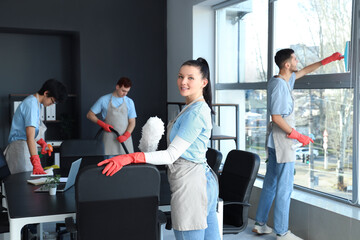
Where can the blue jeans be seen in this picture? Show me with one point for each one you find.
(212, 231)
(278, 184)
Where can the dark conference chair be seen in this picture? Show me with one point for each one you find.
(235, 185)
(124, 206)
(4, 172)
(214, 158)
(90, 150)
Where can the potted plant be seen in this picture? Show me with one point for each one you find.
(51, 183)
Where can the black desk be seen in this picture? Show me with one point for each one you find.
(27, 207)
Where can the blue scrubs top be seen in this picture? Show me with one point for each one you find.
(27, 114)
(279, 99)
(101, 105)
(194, 126)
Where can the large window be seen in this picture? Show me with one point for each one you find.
(241, 51)
(248, 34)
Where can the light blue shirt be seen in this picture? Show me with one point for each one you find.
(27, 114)
(101, 105)
(194, 126)
(279, 99)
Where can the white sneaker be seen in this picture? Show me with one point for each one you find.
(262, 229)
(288, 236)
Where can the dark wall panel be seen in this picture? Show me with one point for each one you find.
(115, 38)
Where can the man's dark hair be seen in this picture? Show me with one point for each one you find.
(55, 89)
(282, 56)
(124, 81)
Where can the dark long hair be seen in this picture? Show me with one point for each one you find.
(202, 64)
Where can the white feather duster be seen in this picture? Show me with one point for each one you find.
(151, 134)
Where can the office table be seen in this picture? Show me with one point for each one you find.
(27, 207)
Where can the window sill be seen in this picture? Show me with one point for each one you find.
(341, 208)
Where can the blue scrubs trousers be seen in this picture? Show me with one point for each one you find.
(278, 184)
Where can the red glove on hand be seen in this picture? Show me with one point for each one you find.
(45, 148)
(305, 140)
(37, 168)
(123, 137)
(105, 126)
(116, 163)
(334, 57)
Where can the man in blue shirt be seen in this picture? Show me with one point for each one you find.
(118, 112)
(279, 177)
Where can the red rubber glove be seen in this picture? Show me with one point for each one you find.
(334, 57)
(116, 163)
(45, 148)
(123, 137)
(105, 126)
(305, 140)
(37, 168)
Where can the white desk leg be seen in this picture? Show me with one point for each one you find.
(220, 211)
(15, 230)
(40, 231)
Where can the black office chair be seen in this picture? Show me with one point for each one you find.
(235, 184)
(4, 172)
(91, 150)
(124, 206)
(214, 158)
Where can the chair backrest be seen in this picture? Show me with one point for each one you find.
(123, 206)
(4, 169)
(235, 185)
(214, 158)
(90, 150)
(4, 172)
(165, 193)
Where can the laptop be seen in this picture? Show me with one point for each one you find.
(62, 186)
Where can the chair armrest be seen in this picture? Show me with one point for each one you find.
(161, 217)
(168, 224)
(70, 225)
(237, 203)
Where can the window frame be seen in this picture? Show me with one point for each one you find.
(348, 80)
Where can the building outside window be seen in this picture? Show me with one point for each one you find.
(248, 34)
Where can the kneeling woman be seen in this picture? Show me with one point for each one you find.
(193, 184)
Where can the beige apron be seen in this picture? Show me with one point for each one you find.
(188, 191)
(283, 144)
(17, 153)
(118, 118)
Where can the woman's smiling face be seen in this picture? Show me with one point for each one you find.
(191, 82)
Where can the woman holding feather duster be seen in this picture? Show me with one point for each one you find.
(193, 184)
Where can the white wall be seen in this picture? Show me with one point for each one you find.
(190, 34)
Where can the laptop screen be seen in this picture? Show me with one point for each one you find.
(75, 166)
